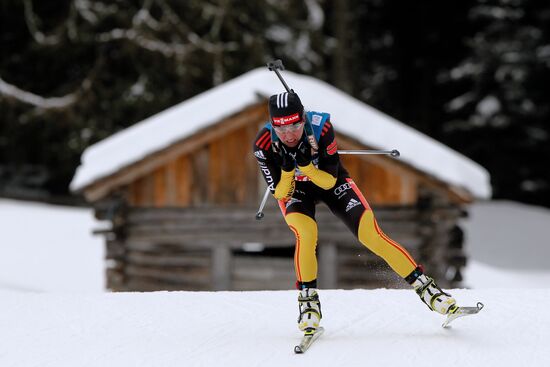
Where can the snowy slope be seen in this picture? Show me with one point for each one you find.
(509, 235)
(363, 328)
(49, 248)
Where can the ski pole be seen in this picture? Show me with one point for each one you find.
(260, 213)
(394, 153)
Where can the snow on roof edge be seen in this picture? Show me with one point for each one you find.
(134, 143)
(350, 116)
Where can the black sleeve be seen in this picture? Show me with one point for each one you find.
(270, 167)
(329, 161)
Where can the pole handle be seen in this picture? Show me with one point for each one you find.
(276, 65)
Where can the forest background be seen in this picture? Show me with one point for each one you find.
(473, 74)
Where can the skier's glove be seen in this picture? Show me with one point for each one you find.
(287, 161)
(303, 154)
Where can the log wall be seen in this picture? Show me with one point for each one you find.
(226, 249)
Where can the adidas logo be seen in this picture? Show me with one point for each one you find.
(352, 204)
(259, 154)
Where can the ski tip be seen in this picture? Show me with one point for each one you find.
(460, 312)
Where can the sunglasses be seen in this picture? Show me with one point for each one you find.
(289, 128)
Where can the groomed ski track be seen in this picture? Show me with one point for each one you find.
(363, 328)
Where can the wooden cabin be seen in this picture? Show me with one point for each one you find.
(181, 190)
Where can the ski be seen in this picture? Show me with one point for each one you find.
(309, 337)
(462, 311)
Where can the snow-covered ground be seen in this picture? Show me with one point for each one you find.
(51, 313)
(509, 235)
(507, 244)
(230, 329)
(49, 248)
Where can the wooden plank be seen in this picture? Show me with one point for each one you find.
(234, 228)
(210, 240)
(175, 248)
(137, 192)
(204, 227)
(171, 183)
(115, 280)
(172, 275)
(161, 258)
(159, 187)
(184, 181)
(132, 196)
(199, 178)
(273, 215)
(116, 249)
(235, 171)
(147, 191)
(228, 172)
(215, 168)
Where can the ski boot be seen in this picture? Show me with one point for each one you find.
(310, 309)
(433, 296)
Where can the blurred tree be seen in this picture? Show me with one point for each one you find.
(403, 51)
(76, 71)
(466, 72)
(501, 114)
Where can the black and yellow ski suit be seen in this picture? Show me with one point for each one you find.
(325, 179)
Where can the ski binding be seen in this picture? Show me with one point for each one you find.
(309, 337)
(462, 311)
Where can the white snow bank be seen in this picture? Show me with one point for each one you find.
(49, 248)
(350, 116)
(479, 275)
(509, 235)
(374, 328)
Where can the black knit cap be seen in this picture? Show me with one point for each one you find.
(285, 109)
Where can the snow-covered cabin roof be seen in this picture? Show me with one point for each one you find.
(350, 117)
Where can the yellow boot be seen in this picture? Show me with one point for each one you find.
(433, 296)
(310, 309)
